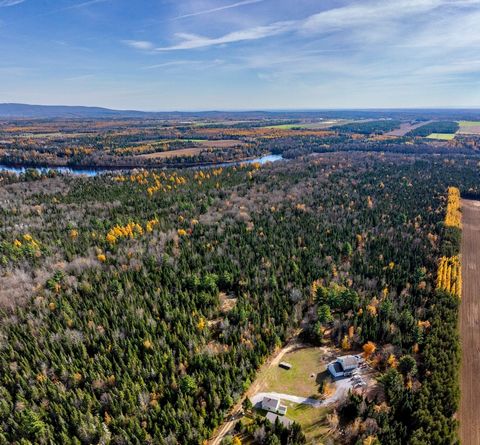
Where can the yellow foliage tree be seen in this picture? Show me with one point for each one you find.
(346, 343)
(368, 349)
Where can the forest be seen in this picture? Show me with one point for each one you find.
(435, 127)
(136, 307)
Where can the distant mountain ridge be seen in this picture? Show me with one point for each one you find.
(26, 111)
(15, 110)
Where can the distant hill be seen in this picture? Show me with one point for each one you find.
(25, 111)
(61, 111)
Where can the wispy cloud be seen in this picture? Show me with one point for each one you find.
(179, 63)
(173, 63)
(5, 3)
(80, 5)
(143, 45)
(218, 9)
(83, 4)
(370, 14)
(193, 41)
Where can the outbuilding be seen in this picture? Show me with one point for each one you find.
(285, 365)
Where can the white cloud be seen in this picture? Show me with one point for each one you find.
(372, 17)
(139, 44)
(193, 41)
(5, 3)
(218, 9)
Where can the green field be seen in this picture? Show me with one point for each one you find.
(312, 420)
(469, 123)
(308, 368)
(441, 136)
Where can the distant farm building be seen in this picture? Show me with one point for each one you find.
(285, 365)
(282, 419)
(344, 366)
(273, 405)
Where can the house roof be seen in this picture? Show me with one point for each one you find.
(282, 419)
(348, 362)
(270, 403)
(337, 368)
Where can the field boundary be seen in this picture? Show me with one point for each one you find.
(469, 414)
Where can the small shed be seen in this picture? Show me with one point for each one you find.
(285, 365)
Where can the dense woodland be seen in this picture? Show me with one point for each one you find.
(368, 127)
(136, 308)
(447, 127)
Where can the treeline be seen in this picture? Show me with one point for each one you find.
(447, 127)
(372, 127)
(295, 147)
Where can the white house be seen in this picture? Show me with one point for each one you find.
(344, 366)
(273, 405)
(282, 419)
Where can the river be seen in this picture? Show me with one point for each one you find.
(96, 171)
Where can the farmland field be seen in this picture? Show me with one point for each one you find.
(406, 128)
(321, 125)
(469, 326)
(173, 153)
(441, 136)
(469, 127)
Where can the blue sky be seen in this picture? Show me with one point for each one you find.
(241, 54)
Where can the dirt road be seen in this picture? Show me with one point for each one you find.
(470, 325)
(274, 360)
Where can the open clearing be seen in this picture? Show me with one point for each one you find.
(308, 368)
(312, 420)
(469, 127)
(470, 325)
(442, 136)
(173, 153)
(321, 125)
(407, 127)
(193, 151)
(227, 143)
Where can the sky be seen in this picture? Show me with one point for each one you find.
(241, 54)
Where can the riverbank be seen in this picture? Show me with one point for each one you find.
(94, 171)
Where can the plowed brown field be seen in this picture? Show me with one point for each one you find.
(470, 325)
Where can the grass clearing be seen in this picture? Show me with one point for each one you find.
(441, 136)
(312, 420)
(308, 369)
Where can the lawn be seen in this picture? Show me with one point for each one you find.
(312, 420)
(441, 136)
(308, 367)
